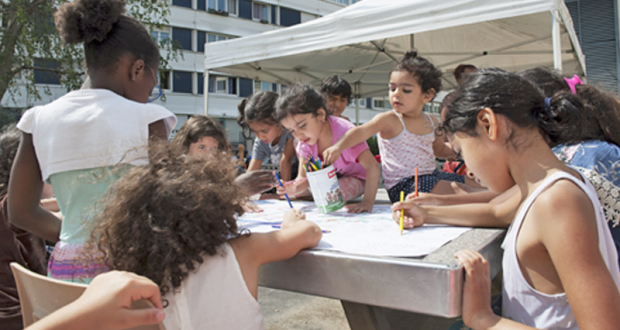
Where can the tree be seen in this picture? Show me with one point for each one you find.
(29, 44)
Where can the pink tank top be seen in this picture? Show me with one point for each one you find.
(401, 154)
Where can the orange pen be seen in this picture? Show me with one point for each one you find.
(416, 182)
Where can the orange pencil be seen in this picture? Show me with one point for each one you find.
(416, 182)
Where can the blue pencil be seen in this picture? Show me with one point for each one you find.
(323, 231)
(285, 195)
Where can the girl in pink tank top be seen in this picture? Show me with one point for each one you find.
(560, 263)
(406, 135)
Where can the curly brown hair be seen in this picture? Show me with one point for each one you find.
(162, 219)
(197, 127)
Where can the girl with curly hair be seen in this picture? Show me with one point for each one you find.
(74, 142)
(173, 221)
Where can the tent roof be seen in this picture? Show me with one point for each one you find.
(361, 42)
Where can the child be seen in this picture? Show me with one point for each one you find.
(301, 111)
(174, 222)
(74, 142)
(406, 137)
(257, 115)
(497, 122)
(337, 94)
(204, 137)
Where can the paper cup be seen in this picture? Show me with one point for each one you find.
(325, 189)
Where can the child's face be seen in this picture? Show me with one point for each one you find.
(265, 132)
(337, 103)
(204, 147)
(406, 96)
(305, 127)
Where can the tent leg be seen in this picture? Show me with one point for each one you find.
(206, 92)
(557, 42)
(357, 111)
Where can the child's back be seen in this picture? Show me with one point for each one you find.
(174, 222)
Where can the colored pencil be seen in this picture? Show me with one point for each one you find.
(323, 231)
(281, 185)
(416, 183)
(314, 166)
(402, 212)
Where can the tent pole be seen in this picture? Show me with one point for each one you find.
(206, 92)
(556, 40)
(357, 105)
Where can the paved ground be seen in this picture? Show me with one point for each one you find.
(285, 310)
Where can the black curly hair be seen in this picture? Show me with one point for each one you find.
(107, 34)
(336, 85)
(9, 143)
(423, 71)
(160, 220)
(258, 107)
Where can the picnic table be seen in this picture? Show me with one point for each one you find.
(375, 291)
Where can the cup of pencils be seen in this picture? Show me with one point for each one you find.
(324, 186)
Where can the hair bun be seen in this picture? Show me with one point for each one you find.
(410, 54)
(87, 20)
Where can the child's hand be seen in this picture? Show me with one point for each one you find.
(256, 181)
(359, 208)
(289, 188)
(424, 199)
(476, 290)
(331, 154)
(291, 217)
(250, 207)
(414, 215)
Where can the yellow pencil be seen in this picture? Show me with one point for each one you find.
(313, 166)
(402, 212)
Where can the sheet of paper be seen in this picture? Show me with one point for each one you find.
(375, 233)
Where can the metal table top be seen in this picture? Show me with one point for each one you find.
(428, 285)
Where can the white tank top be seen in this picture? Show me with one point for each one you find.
(401, 154)
(214, 296)
(526, 305)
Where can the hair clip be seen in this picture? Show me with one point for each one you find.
(572, 82)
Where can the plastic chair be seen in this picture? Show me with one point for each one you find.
(40, 296)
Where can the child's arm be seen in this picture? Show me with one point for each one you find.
(157, 131)
(260, 248)
(456, 199)
(297, 186)
(497, 213)
(441, 148)
(356, 136)
(287, 160)
(24, 196)
(368, 161)
(255, 165)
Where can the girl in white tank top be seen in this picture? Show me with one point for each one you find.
(560, 264)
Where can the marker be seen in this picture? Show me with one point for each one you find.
(416, 182)
(323, 231)
(285, 195)
(402, 212)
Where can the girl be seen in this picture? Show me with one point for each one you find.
(497, 122)
(174, 222)
(201, 135)
(257, 115)
(300, 110)
(406, 137)
(74, 142)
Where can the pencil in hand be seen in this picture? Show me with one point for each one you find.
(416, 183)
(285, 195)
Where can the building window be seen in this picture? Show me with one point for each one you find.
(182, 3)
(160, 36)
(182, 82)
(201, 5)
(289, 17)
(232, 85)
(245, 87)
(362, 103)
(381, 103)
(164, 79)
(232, 7)
(201, 39)
(200, 83)
(260, 12)
(343, 2)
(221, 84)
(183, 36)
(262, 86)
(45, 76)
(245, 9)
(215, 37)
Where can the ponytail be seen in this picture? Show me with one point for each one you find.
(558, 119)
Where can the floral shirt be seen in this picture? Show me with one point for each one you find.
(599, 161)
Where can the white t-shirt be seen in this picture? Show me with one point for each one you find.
(91, 128)
(214, 296)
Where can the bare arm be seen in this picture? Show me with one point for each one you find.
(356, 136)
(157, 131)
(255, 165)
(456, 199)
(368, 161)
(24, 198)
(287, 160)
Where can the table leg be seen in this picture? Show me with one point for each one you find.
(365, 317)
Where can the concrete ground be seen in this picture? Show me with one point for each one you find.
(285, 310)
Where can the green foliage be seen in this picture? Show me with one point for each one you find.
(372, 144)
(28, 33)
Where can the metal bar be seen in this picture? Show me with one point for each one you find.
(206, 92)
(556, 40)
(258, 68)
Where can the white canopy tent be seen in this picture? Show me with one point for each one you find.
(361, 42)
